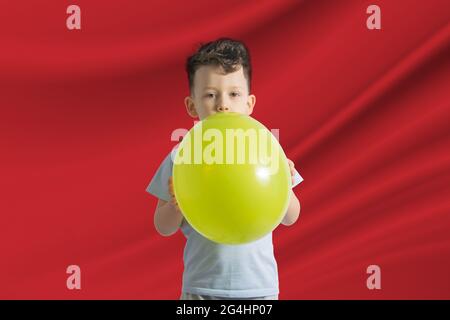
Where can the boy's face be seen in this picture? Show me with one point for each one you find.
(214, 91)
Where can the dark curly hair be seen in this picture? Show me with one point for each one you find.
(227, 53)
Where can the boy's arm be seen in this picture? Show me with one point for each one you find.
(292, 212)
(167, 218)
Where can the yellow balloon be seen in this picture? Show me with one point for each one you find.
(231, 179)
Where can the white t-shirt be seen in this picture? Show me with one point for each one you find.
(236, 271)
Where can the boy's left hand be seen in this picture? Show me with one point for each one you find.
(292, 168)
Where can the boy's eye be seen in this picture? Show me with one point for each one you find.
(235, 94)
(209, 95)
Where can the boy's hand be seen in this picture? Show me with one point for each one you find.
(172, 196)
(292, 168)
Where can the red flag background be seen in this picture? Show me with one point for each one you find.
(87, 117)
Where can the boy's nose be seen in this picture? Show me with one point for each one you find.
(223, 109)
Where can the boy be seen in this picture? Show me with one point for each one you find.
(219, 75)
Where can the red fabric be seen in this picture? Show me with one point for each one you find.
(86, 119)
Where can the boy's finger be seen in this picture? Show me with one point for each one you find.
(175, 204)
(291, 165)
(170, 185)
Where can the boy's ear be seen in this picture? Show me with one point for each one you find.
(251, 103)
(190, 107)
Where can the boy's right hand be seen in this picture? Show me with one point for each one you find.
(173, 200)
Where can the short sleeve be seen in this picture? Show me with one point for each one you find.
(159, 186)
(297, 179)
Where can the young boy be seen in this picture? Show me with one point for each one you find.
(219, 76)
